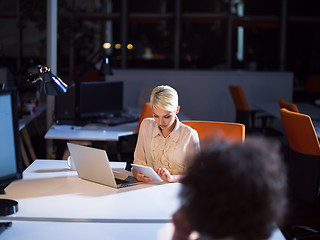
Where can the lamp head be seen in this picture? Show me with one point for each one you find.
(105, 68)
(50, 84)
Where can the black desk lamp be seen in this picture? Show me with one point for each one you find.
(50, 84)
(104, 68)
(99, 61)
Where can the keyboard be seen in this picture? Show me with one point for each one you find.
(117, 120)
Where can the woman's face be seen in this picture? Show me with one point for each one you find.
(164, 118)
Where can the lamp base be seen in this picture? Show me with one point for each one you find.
(8, 207)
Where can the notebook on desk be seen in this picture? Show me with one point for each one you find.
(93, 165)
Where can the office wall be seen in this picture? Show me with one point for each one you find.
(204, 95)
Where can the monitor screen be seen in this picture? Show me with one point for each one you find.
(100, 99)
(10, 158)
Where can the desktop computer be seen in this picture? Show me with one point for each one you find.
(92, 102)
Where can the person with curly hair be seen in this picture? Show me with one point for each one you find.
(233, 192)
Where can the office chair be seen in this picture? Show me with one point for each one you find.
(233, 132)
(288, 105)
(146, 112)
(303, 157)
(126, 144)
(245, 115)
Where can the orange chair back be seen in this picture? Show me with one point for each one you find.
(233, 132)
(300, 132)
(288, 105)
(239, 99)
(146, 112)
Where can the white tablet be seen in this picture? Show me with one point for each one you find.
(147, 171)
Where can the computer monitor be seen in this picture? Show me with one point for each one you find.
(10, 154)
(100, 99)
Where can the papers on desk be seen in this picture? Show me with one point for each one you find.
(94, 127)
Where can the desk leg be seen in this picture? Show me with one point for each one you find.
(24, 153)
(49, 149)
(66, 154)
(28, 143)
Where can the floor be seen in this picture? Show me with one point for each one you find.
(302, 214)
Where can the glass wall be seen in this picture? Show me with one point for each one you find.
(172, 34)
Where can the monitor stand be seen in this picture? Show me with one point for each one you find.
(7, 206)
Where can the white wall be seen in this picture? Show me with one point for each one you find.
(204, 95)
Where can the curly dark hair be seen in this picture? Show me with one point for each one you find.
(236, 190)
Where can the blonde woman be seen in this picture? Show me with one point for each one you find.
(164, 143)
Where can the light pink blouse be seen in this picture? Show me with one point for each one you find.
(172, 152)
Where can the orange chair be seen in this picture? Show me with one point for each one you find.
(233, 132)
(241, 105)
(146, 112)
(303, 155)
(239, 98)
(243, 114)
(300, 132)
(288, 105)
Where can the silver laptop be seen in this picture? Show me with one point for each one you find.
(93, 165)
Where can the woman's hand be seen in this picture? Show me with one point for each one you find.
(165, 175)
(141, 177)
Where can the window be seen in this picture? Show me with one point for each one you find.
(171, 34)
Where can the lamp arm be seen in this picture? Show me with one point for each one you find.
(88, 64)
(29, 79)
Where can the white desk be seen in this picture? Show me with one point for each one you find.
(36, 230)
(54, 203)
(305, 108)
(274, 109)
(91, 132)
(50, 191)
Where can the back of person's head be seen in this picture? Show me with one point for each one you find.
(236, 190)
(164, 97)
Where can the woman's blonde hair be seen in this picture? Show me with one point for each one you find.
(164, 97)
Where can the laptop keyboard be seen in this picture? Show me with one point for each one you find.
(119, 181)
(125, 183)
